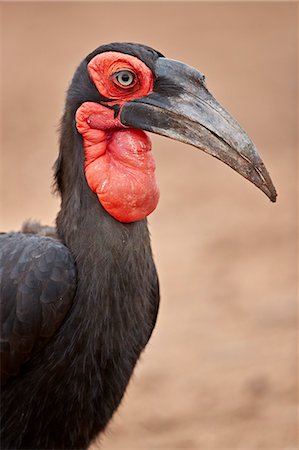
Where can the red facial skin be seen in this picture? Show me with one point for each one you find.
(119, 165)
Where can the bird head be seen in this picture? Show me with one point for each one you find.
(122, 90)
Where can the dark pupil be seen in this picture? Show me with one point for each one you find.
(125, 77)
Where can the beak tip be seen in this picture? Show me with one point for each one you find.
(271, 193)
(273, 197)
(264, 183)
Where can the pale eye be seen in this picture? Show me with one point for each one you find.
(124, 77)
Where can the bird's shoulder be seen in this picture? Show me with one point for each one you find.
(37, 287)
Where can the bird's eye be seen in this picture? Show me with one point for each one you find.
(124, 78)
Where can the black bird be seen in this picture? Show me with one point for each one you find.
(79, 303)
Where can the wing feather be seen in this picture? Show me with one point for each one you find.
(37, 286)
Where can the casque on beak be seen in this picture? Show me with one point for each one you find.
(182, 108)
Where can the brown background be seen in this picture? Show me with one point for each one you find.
(220, 370)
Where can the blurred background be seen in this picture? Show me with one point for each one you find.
(220, 369)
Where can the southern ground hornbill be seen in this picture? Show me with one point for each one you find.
(79, 306)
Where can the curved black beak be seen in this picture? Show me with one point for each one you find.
(182, 108)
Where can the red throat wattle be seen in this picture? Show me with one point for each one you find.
(119, 165)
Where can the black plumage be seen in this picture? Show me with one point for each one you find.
(38, 281)
(66, 393)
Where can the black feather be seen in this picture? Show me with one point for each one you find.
(28, 264)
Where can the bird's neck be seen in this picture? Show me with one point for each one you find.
(116, 274)
(115, 306)
(112, 258)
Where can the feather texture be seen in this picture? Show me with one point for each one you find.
(38, 280)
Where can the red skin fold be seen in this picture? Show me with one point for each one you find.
(119, 165)
(102, 67)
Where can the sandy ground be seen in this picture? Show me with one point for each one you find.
(220, 369)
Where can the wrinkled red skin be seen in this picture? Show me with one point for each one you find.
(119, 165)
